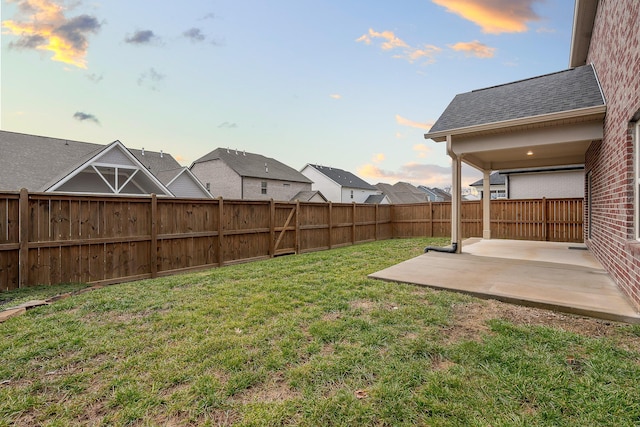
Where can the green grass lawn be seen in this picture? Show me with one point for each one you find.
(309, 340)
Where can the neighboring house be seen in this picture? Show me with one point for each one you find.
(44, 164)
(234, 174)
(498, 186)
(378, 199)
(558, 120)
(310, 196)
(435, 194)
(338, 185)
(535, 183)
(402, 193)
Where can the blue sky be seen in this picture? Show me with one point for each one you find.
(349, 84)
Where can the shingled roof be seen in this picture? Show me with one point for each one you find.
(496, 178)
(567, 90)
(37, 162)
(402, 193)
(343, 178)
(254, 165)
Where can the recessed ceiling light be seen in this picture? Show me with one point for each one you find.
(529, 153)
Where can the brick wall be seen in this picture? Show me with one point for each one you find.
(615, 53)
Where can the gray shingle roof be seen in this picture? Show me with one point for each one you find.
(305, 196)
(343, 177)
(254, 165)
(375, 199)
(402, 193)
(156, 162)
(566, 90)
(496, 178)
(37, 162)
(30, 161)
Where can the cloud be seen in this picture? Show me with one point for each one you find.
(391, 41)
(83, 117)
(410, 123)
(209, 15)
(150, 78)
(227, 125)
(425, 53)
(194, 34)
(429, 175)
(422, 149)
(494, 16)
(335, 96)
(44, 26)
(378, 158)
(141, 37)
(419, 174)
(474, 48)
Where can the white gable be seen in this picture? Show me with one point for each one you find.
(112, 171)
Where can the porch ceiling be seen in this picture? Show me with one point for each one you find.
(534, 145)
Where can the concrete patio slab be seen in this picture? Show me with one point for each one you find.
(558, 276)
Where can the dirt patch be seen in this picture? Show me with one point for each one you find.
(273, 390)
(470, 321)
(364, 305)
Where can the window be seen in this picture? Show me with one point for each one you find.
(209, 187)
(286, 185)
(264, 187)
(352, 194)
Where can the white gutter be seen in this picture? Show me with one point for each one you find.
(562, 115)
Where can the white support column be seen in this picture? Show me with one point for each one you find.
(456, 203)
(486, 205)
(456, 196)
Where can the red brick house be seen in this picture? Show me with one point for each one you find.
(607, 35)
(589, 113)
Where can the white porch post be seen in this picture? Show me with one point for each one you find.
(456, 196)
(486, 205)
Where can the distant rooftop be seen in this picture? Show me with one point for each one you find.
(343, 178)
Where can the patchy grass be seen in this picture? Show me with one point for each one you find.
(19, 296)
(308, 340)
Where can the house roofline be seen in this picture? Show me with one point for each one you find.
(441, 136)
(584, 15)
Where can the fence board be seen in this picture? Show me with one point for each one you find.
(103, 239)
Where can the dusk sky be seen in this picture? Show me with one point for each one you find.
(349, 84)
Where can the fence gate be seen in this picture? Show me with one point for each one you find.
(285, 221)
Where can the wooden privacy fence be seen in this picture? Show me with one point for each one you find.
(57, 238)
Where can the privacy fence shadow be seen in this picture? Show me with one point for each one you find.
(58, 238)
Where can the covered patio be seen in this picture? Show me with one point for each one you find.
(544, 121)
(557, 276)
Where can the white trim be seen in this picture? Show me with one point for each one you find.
(94, 161)
(562, 115)
(194, 179)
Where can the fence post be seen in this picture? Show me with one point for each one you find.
(545, 221)
(353, 224)
(392, 218)
(153, 251)
(375, 235)
(23, 254)
(297, 232)
(272, 229)
(220, 232)
(330, 224)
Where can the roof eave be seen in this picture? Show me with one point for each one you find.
(584, 15)
(562, 115)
